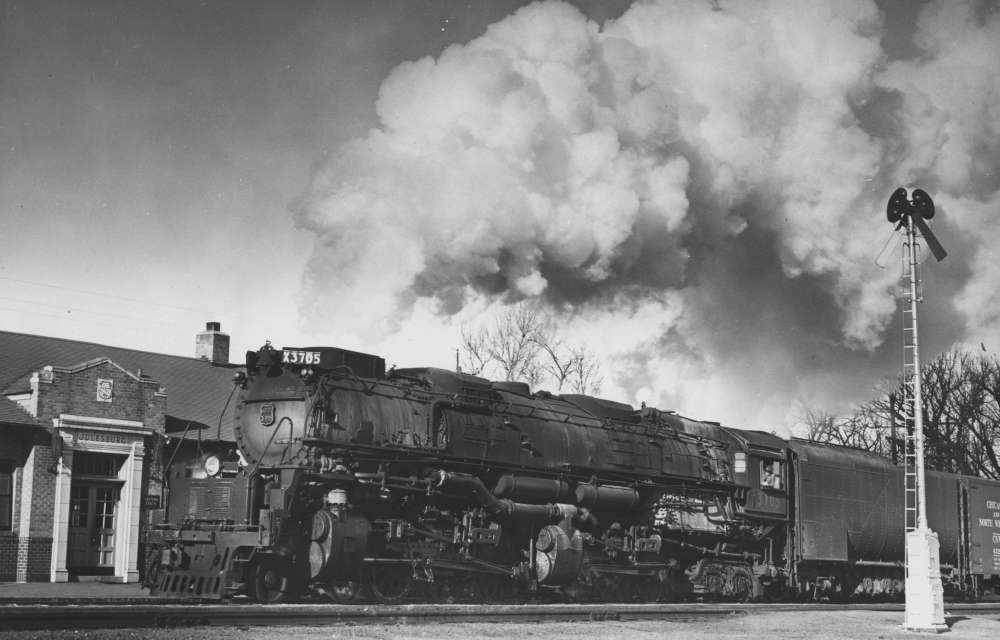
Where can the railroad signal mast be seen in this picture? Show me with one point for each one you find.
(924, 592)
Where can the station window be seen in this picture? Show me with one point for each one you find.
(97, 464)
(770, 474)
(6, 495)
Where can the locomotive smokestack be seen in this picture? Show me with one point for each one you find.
(212, 344)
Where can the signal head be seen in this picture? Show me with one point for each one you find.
(923, 204)
(898, 206)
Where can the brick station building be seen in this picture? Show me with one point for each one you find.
(85, 431)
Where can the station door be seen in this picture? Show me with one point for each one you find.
(92, 515)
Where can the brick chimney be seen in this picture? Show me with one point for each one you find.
(212, 344)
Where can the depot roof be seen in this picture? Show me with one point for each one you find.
(197, 390)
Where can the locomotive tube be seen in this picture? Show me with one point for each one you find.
(607, 498)
(502, 508)
(530, 489)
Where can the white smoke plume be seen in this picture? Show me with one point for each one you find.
(699, 193)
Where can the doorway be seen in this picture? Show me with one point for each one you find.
(92, 520)
(93, 515)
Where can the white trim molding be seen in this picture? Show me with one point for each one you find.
(101, 435)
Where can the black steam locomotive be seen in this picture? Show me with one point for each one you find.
(357, 482)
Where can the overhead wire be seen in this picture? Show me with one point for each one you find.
(77, 314)
(104, 295)
(69, 309)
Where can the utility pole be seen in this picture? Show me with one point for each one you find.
(924, 592)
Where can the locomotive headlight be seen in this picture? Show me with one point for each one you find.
(212, 465)
(240, 379)
(307, 374)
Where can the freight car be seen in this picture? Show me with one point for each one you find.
(427, 483)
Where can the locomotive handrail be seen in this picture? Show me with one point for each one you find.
(187, 427)
(274, 432)
(218, 431)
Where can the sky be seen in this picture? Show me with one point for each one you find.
(695, 190)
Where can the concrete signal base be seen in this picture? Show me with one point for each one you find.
(924, 593)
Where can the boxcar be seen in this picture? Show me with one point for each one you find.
(980, 535)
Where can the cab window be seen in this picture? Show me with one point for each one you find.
(770, 474)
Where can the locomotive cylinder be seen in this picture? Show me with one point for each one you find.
(339, 543)
(558, 555)
(606, 498)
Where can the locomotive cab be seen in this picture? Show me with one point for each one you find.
(761, 466)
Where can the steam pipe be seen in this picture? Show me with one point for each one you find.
(503, 509)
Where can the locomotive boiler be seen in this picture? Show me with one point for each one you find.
(430, 483)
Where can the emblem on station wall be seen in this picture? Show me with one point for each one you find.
(267, 414)
(104, 390)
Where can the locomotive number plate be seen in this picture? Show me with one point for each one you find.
(300, 357)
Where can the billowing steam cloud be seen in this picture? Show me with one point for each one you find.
(701, 189)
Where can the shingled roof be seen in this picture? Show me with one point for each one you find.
(12, 413)
(197, 390)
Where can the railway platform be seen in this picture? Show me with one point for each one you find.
(13, 593)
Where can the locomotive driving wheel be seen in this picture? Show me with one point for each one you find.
(390, 584)
(272, 580)
(608, 588)
(715, 583)
(493, 589)
(453, 589)
(741, 584)
(647, 589)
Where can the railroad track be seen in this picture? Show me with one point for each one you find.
(146, 614)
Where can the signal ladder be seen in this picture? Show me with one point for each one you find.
(907, 410)
(911, 366)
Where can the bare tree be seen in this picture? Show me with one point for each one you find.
(866, 429)
(522, 344)
(960, 416)
(513, 342)
(820, 426)
(475, 356)
(585, 374)
(556, 361)
(983, 439)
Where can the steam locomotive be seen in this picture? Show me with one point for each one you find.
(423, 483)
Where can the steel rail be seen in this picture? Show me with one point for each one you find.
(146, 615)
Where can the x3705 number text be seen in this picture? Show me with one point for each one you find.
(301, 357)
